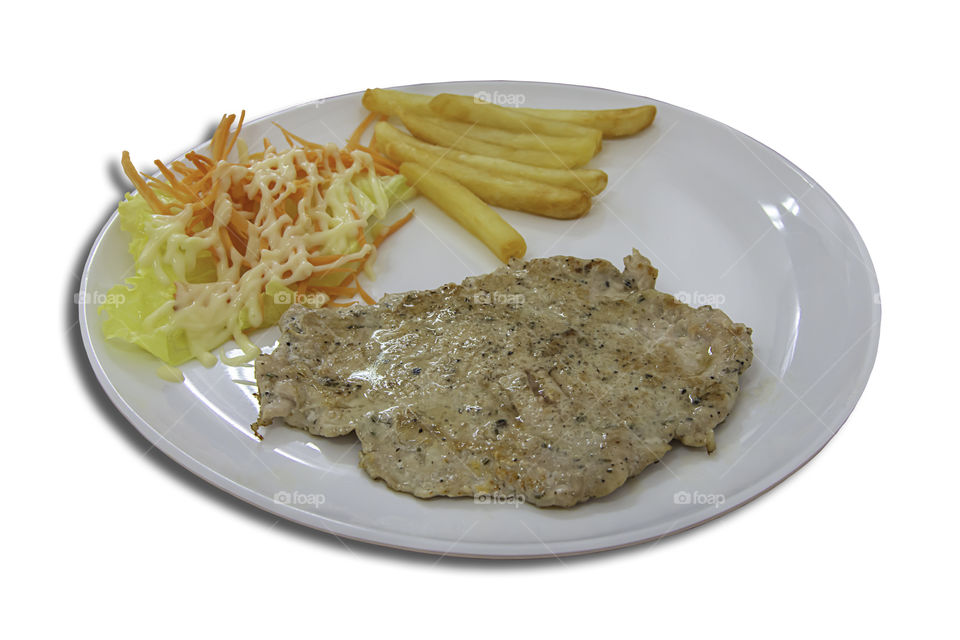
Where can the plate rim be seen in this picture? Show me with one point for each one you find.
(488, 550)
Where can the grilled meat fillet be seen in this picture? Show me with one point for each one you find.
(555, 379)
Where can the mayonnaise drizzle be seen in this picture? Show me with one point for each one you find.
(305, 210)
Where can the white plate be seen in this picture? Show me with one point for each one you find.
(726, 220)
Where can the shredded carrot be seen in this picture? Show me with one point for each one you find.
(340, 291)
(219, 142)
(322, 260)
(141, 185)
(306, 144)
(354, 140)
(236, 134)
(286, 136)
(389, 231)
(161, 188)
(378, 158)
(363, 294)
(194, 182)
(177, 186)
(385, 171)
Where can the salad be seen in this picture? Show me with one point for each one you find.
(224, 243)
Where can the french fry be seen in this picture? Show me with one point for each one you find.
(390, 102)
(518, 194)
(467, 209)
(468, 109)
(429, 129)
(580, 149)
(593, 181)
(614, 123)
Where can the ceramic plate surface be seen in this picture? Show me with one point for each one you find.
(727, 221)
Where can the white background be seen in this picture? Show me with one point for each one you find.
(99, 535)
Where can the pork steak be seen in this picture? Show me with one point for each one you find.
(554, 380)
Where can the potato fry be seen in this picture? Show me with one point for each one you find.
(614, 123)
(468, 109)
(428, 129)
(580, 149)
(390, 102)
(518, 194)
(467, 209)
(593, 181)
